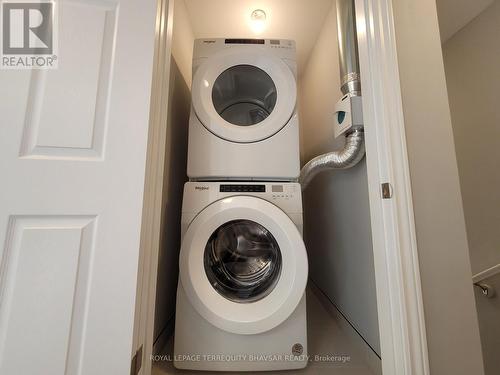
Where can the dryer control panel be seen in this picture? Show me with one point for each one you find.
(283, 48)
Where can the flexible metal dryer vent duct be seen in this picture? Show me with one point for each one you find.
(354, 148)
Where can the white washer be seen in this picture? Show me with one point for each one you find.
(243, 123)
(243, 272)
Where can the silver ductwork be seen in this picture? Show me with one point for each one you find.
(354, 148)
(348, 48)
(350, 155)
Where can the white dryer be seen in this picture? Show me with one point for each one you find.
(242, 278)
(243, 123)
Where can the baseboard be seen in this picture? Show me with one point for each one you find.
(371, 358)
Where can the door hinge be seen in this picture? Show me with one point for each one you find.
(136, 363)
(386, 190)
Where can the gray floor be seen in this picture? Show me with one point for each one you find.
(326, 337)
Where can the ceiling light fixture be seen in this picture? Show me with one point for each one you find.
(258, 21)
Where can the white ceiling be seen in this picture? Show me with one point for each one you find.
(455, 14)
(300, 20)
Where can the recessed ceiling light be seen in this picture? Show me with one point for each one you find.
(258, 15)
(258, 21)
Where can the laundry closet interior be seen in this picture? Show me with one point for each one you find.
(342, 322)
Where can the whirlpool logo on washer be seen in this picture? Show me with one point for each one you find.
(201, 188)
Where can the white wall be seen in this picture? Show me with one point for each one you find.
(336, 208)
(182, 41)
(472, 65)
(450, 314)
(175, 166)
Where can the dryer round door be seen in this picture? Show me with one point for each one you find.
(243, 265)
(243, 96)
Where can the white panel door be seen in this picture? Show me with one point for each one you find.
(72, 164)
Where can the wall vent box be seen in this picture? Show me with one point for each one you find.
(348, 114)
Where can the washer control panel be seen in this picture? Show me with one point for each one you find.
(283, 191)
(270, 191)
(285, 195)
(240, 188)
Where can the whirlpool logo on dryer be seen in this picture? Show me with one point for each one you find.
(201, 188)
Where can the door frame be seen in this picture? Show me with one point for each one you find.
(399, 296)
(143, 339)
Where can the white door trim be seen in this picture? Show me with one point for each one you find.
(153, 189)
(399, 297)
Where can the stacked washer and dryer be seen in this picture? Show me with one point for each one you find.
(243, 264)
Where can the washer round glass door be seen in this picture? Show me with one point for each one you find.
(242, 261)
(243, 265)
(244, 95)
